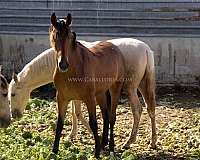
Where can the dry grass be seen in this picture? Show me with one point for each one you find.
(177, 117)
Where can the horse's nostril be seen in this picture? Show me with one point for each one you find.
(16, 114)
(63, 65)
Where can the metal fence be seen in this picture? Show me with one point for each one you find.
(116, 18)
(170, 27)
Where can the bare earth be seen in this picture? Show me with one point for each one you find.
(178, 128)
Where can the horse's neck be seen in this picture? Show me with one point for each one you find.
(39, 72)
(76, 58)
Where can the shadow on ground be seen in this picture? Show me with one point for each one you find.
(174, 96)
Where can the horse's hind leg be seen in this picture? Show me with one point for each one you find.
(91, 106)
(147, 89)
(136, 108)
(105, 109)
(77, 114)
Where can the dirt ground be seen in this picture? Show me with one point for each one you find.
(177, 119)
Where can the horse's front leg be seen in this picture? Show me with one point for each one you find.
(91, 106)
(115, 95)
(62, 103)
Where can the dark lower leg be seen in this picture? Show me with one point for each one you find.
(111, 143)
(94, 128)
(104, 141)
(59, 127)
(112, 123)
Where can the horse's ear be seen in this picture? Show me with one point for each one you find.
(53, 19)
(14, 76)
(69, 19)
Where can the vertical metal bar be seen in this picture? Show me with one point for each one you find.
(174, 65)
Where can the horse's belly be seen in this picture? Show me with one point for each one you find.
(102, 86)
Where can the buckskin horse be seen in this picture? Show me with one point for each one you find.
(101, 68)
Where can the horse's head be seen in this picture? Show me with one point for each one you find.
(18, 95)
(5, 117)
(60, 39)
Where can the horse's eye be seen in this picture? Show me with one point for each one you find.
(12, 94)
(5, 94)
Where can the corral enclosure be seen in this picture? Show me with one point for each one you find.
(170, 27)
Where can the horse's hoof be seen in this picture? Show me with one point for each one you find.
(125, 146)
(104, 147)
(72, 137)
(97, 155)
(153, 147)
(55, 151)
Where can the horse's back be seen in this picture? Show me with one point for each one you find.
(88, 44)
(45, 59)
(39, 70)
(136, 55)
(131, 48)
(106, 59)
(105, 48)
(106, 53)
(135, 52)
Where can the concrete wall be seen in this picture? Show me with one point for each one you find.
(170, 27)
(17, 50)
(177, 60)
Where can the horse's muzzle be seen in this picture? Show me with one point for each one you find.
(16, 113)
(4, 122)
(63, 66)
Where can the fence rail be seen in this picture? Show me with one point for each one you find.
(177, 17)
(170, 27)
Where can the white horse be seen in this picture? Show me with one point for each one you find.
(5, 117)
(139, 61)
